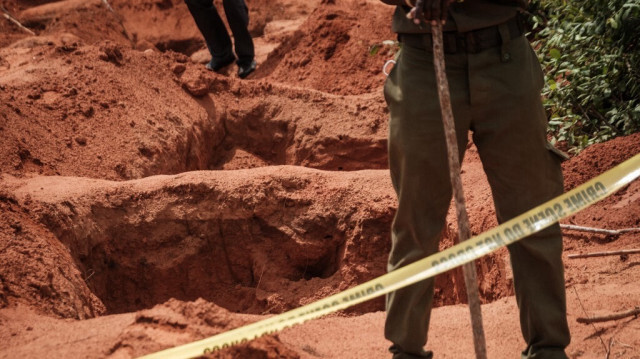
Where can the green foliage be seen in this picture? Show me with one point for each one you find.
(390, 46)
(590, 50)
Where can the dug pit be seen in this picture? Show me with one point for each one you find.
(256, 241)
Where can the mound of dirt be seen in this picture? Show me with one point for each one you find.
(175, 322)
(38, 269)
(59, 92)
(90, 20)
(340, 49)
(283, 125)
(599, 158)
(133, 334)
(622, 209)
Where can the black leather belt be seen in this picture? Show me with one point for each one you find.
(473, 42)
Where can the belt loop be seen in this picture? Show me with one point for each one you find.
(505, 37)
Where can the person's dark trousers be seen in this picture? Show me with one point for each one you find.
(215, 33)
(497, 97)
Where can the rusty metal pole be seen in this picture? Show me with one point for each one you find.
(469, 269)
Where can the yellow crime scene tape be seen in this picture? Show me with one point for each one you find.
(511, 231)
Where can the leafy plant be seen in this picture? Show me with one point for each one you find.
(590, 50)
(391, 47)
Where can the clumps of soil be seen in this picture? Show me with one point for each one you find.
(269, 347)
(193, 81)
(90, 20)
(618, 211)
(598, 158)
(338, 50)
(111, 53)
(54, 100)
(38, 269)
(157, 328)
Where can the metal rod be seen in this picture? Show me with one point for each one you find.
(464, 233)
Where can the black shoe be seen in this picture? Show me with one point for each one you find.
(245, 70)
(217, 65)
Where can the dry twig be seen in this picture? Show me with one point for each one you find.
(260, 279)
(599, 230)
(106, 3)
(8, 16)
(603, 254)
(594, 327)
(615, 316)
(91, 273)
(121, 21)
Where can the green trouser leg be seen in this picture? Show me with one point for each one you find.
(499, 101)
(420, 176)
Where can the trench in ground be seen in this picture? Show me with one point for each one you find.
(245, 265)
(239, 264)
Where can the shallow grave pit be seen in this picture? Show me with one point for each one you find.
(219, 261)
(251, 241)
(256, 241)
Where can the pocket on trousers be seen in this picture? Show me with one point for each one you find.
(390, 81)
(537, 69)
(561, 156)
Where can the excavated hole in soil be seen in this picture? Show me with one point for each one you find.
(184, 46)
(222, 261)
(255, 138)
(264, 134)
(244, 265)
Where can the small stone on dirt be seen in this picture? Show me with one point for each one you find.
(82, 141)
(34, 95)
(180, 57)
(111, 52)
(178, 69)
(88, 111)
(195, 83)
(144, 45)
(145, 151)
(201, 56)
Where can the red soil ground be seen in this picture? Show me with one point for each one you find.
(146, 202)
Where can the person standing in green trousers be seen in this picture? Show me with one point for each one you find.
(495, 80)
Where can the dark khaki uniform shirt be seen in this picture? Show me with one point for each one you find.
(463, 16)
